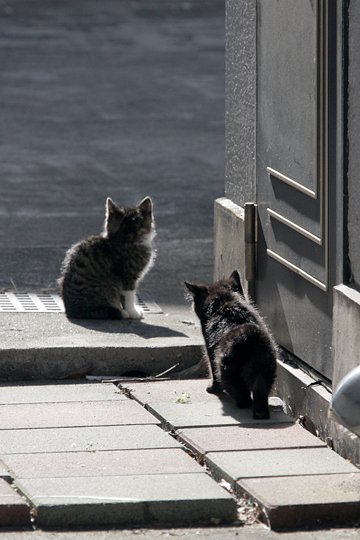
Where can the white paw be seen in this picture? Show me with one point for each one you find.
(136, 313)
(124, 313)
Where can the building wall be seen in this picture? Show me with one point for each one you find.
(240, 137)
(346, 314)
(354, 142)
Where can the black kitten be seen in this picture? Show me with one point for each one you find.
(100, 274)
(240, 348)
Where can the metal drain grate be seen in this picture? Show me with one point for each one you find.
(31, 303)
(52, 303)
(147, 304)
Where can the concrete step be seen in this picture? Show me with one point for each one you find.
(49, 346)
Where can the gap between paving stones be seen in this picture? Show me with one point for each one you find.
(194, 508)
(181, 416)
(248, 509)
(170, 430)
(343, 505)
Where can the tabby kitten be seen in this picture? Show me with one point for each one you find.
(100, 274)
(241, 352)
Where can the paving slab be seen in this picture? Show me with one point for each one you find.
(258, 437)
(105, 463)
(43, 392)
(74, 414)
(198, 408)
(169, 391)
(289, 462)
(4, 471)
(82, 439)
(212, 413)
(128, 500)
(13, 508)
(300, 502)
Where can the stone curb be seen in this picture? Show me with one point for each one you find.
(34, 363)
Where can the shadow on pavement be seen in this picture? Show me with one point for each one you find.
(141, 329)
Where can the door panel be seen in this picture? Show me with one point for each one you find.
(293, 288)
(287, 81)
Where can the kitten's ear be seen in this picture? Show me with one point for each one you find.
(146, 206)
(235, 282)
(110, 207)
(196, 290)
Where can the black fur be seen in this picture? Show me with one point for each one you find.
(241, 351)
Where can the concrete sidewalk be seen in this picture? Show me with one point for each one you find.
(127, 99)
(49, 346)
(121, 99)
(107, 98)
(93, 455)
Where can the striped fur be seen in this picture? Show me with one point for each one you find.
(101, 273)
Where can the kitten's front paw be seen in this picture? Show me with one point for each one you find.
(136, 313)
(124, 313)
(214, 388)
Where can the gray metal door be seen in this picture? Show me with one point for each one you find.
(297, 178)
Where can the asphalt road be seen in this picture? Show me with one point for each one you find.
(119, 98)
